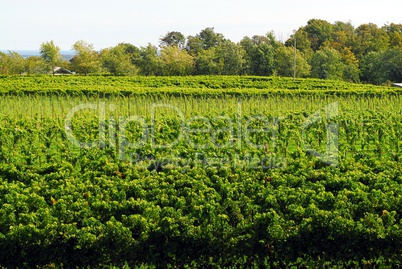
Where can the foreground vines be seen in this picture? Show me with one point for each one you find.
(276, 181)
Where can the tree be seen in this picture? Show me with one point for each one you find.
(34, 65)
(207, 62)
(351, 73)
(194, 45)
(12, 63)
(50, 53)
(319, 32)
(4, 67)
(262, 60)
(394, 32)
(380, 67)
(370, 38)
(259, 54)
(117, 62)
(87, 59)
(132, 51)
(206, 39)
(173, 39)
(231, 56)
(327, 64)
(368, 66)
(342, 41)
(260, 39)
(393, 64)
(303, 43)
(284, 62)
(343, 35)
(247, 45)
(150, 63)
(209, 38)
(17, 63)
(351, 70)
(176, 62)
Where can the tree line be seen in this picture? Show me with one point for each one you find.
(320, 49)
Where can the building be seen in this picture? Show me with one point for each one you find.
(62, 71)
(397, 84)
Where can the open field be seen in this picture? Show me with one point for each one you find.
(199, 171)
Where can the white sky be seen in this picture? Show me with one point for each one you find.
(25, 24)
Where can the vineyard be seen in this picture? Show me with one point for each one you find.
(202, 171)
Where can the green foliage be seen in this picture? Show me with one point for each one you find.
(150, 63)
(262, 60)
(370, 38)
(12, 63)
(210, 53)
(116, 61)
(395, 34)
(50, 54)
(86, 60)
(380, 67)
(319, 32)
(252, 196)
(173, 39)
(207, 62)
(259, 54)
(351, 73)
(206, 39)
(303, 42)
(133, 52)
(34, 65)
(4, 60)
(284, 63)
(16, 63)
(200, 86)
(231, 57)
(327, 64)
(176, 62)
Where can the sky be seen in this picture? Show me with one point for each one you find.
(26, 24)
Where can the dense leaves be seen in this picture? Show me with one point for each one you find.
(179, 86)
(320, 50)
(256, 185)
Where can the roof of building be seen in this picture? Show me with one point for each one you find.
(397, 85)
(61, 70)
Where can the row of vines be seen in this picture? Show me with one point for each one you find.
(159, 180)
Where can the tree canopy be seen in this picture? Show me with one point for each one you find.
(50, 54)
(338, 50)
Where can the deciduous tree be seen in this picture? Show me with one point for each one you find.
(150, 63)
(87, 59)
(259, 54)
(370, 38)
(318, 31)
(394, 32)
(207, 62)
(176, 62)
(231, 56)
(380, 67)
(284, 62)
(17, 63)
(327, 64)
(34, 65)
(262, 60)
(117, 62)
(173, 39)
(303, 43)
(50, 53)
(4, 67)
(206, 39)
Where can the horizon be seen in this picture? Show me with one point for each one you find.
(36, 51)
